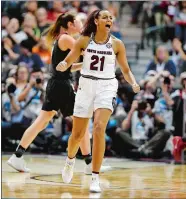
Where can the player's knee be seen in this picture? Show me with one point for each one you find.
(99, 128)
(78, 136)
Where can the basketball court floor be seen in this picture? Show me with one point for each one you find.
(126, 179)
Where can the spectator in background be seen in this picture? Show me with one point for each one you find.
(147, 92)
(21, 77)
(4, 20)
(32, 94)
(156, 80)
(6, 102)
(178, 55)
(92, 8)
(23, 101)
(162, 62)
(148, 137)
(21, 81)
(13, 8)
(113, 8)
(14, 32)
(12, 113)
(82, 17)
(124, 91)
(43, 51)
(136, 7)
(163, 105)
(31, 7)
(9, 50)
(116, 31)
(57, 9)
(176, 52)
(76, 5)
(27, 56)
(180, 19)
(179, 107)
(170, 11)
(41, 15)
(30, 28)
(98, 4)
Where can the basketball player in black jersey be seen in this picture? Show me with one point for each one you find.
(59, 91)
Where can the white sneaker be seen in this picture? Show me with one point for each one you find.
(68, 170)
(18, 164)
(94, 185)
(88, 169)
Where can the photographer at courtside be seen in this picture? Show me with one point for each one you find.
(142, 133)
(11, 112)
(32, 95)
(9, 104)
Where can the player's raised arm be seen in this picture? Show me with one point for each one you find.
(73, 55)
(122, 60)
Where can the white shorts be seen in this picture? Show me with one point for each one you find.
(94, 94)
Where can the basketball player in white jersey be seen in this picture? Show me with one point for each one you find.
(97, 88)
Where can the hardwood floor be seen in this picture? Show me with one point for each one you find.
(127, 179)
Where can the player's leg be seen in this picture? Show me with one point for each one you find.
(78, 132)
(83, 110)
(16, 160)
(104, 104)
(101, 118)
(38, 125)
(50, 107)
(85, 147)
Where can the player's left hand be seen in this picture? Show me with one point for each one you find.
(62, 66)
(136, 88)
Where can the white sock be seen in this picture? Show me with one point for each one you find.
(70, 160)
(95, 175)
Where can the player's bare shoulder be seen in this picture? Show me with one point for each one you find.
(116, 44)
(64, 38)
(84, 41)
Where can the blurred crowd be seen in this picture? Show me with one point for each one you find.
(142, 125)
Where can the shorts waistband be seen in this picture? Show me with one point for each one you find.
(96, 78)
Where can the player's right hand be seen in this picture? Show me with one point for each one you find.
(62, 66)
(136, 88)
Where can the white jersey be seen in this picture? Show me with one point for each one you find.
(99, 60)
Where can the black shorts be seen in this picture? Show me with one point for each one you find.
(59, 96)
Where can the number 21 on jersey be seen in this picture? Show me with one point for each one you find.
(96, 59)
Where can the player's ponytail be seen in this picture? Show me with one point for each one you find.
(54, 30)
(90, 26)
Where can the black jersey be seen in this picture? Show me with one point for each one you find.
(57, 56)
(59, 91)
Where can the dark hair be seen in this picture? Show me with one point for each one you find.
(180, 5)
(36, 68)
(142, 104)
(27, 44)
(62, 21)
(90, 26)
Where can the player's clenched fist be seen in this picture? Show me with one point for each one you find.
(62, 66)
(136, 88)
